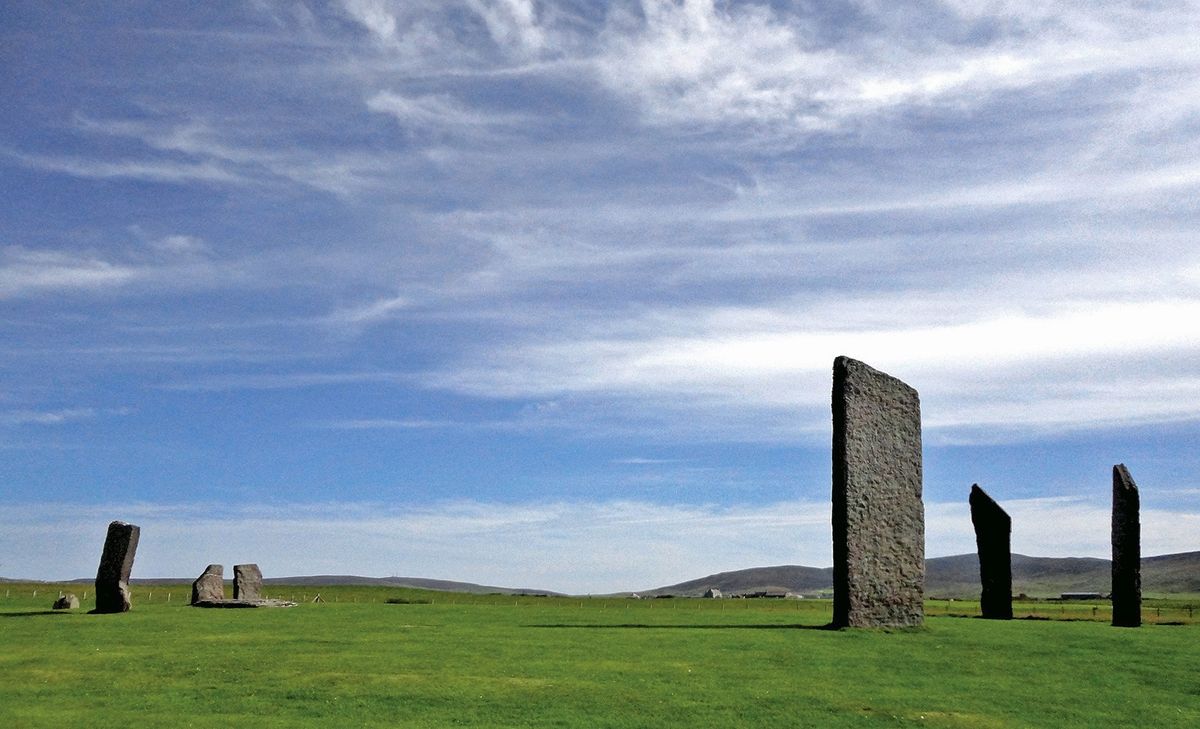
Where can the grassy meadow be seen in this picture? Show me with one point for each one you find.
(439, 660)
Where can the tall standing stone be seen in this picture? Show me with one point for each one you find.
(116, 563)
(878, 516)
(210, 585)
(1126, 550)
(993, 530)
(247, 582)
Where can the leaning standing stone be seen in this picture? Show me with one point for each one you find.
(878, 515)
(67, 602)
(247, 582)
(116, 563)
(210, 585)
(993, 529)
(1126, 550)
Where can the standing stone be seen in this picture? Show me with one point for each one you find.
(878, 516)
(247, 582)
(1126, 550)
(993, 529)
(112, 579)
(68, 601)
(210, 585)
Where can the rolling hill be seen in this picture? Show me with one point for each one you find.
(958, 577)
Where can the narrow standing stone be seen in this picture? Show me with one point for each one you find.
(247, 582)
(210, 585)
(116, 563)
(993, 529)
(878, 515)
(1126, 550)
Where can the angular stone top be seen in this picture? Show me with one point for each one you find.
(984, 507)
(214, 569)
(849, 370)
(120, 546)
(1123, 484)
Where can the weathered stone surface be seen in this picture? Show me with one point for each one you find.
(210, 585)
(243, 603)
(1126, 550)
(247, 582)
(67, 602)
(116, 563)
(993, 531)
(878, 515)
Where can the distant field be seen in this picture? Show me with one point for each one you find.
(443, 659)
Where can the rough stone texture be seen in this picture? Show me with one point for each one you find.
(116, 562)
(67, 602)
(1126, 550)
(243, 603)
(878, 516)
(993, 530)
(247, 582)
(210, 585)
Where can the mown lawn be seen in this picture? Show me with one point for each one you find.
(494, 661)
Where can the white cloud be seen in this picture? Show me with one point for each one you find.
(511, 23)
(700, 62)
(25, 271)
(45, 417)
(1010, 370)
(370, 313)
(374, 15)
(434, 112)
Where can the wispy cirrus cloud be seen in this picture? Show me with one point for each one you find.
(25, 271)
(62, 416)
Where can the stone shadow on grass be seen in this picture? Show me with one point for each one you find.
(693, 626)
(31, 613)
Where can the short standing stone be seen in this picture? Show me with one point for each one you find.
(210, 585)
(116, 563)
(67, 602)
(878, 515)
(247, 582)
(1126, 550)
(993, 529)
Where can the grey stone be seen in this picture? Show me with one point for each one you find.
(1126, 550)
(878, 515)
(116, 563)
(993, 531)
(67, 602)
(244, 603)
(247, 582)
(210, 585)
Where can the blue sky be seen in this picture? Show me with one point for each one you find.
(548, 293)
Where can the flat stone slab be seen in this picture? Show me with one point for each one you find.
(244, 604)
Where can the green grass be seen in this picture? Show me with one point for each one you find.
(494, 661)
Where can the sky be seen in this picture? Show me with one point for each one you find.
(546, 293)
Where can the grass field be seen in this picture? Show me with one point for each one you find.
(492, 661)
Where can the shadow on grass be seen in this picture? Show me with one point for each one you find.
(697, 626)
(31, 613)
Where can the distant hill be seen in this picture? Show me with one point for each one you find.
(958, 577)
(419, 583)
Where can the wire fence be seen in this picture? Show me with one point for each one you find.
(1154, 611)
